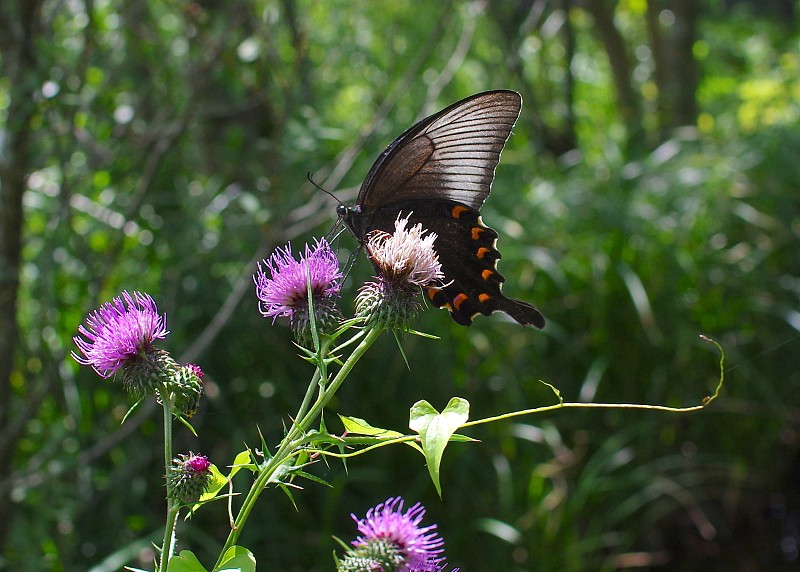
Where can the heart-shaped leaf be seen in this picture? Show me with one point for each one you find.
(237, 558)
(435, 430)
(186, 561)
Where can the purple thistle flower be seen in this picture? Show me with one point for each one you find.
(387, 523)
(432, 566)
(119, 332)
(197, 463)
(282, 288)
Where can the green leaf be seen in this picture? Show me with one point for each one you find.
(242, 461)
(218, 480)
(358, 426)
(435, 430)
(400, 347)
(313, 478)
(186, 561)
(237, 558)
(554, 389)
(186, 424)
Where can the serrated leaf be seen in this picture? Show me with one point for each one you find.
(313, 478)
(435, 430)
(186, 561)
(237, 558)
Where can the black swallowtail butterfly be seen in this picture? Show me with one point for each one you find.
(441, 171)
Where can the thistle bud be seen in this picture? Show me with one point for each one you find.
(188, 477)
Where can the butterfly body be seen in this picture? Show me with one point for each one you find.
(439, 172)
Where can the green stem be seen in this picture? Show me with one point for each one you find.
(172, 511)
(296, 436)
(169, 535)
(315, 380)
(313, 385)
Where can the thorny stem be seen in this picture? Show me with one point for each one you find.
(296, 435)
(168, 545)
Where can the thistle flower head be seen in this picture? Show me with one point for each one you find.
(399, 537)
(406, 261)
(405, 258)
(119, 331)
(282, 286)
(120, 335)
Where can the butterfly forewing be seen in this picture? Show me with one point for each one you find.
(450, 155)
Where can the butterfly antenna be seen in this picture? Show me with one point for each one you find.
(337, 227)
(310, 180)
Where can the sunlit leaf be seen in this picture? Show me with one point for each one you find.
(186, 561)
(237, 558)
(435, 430)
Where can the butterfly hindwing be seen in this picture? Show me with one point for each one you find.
(467, 252)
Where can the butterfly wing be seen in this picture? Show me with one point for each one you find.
(449, 155)
(468, 255)
(441, 170)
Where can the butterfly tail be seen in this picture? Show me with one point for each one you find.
(522, 312)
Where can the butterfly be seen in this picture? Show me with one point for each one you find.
(441, 171)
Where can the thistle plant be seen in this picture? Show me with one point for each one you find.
(121, 340)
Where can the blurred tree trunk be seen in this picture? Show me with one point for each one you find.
(672, 27)
(18, 26)
(517, 21)
(629, 101)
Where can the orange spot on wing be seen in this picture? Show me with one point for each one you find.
(483, 251)
(432, 292)
(486, 274)
(477, 232)
(458, 211)
(460, 299)
(483, 297)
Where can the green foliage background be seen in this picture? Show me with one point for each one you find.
(168, 148)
